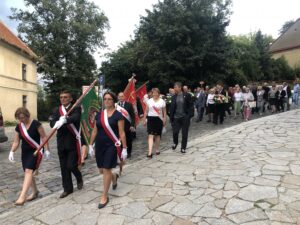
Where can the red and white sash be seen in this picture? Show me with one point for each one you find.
(124, 112)
(75, 132)
(110, 133)
(158, 112)
(31, 142)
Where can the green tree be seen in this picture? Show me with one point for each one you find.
(286, 26)
(182, 40)
(64, 34)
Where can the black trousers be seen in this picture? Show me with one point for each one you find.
(128, 135)
(200, 112)
(68, 164)
(219, 113)
(183, 124)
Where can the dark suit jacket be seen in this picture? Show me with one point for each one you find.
(65, 139)
(201, 100)
(128, 106)
(188, 106)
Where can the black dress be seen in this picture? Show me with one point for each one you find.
(29, 161)
(106, 151)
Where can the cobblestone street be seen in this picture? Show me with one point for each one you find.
(236, 173)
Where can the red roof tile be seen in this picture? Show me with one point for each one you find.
(9, 37)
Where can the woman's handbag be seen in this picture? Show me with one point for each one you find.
(252, 104)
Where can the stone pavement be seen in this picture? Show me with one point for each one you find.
(248, 174)
(49, 180)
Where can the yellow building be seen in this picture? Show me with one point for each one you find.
(288, 45)
(18, 75)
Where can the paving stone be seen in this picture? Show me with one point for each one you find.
(237, 205)
(110, 219)
(291, 179)
(295, 169)
(248, 216)
(179, 221)
(209, 210)
(86, 197)
(162, 218)
(220, 221)
(141, 222)
(159, 200)
(185, 209)
(147, 181)
(60, 213)
(134, 210)
(255, 192)
(280, 216)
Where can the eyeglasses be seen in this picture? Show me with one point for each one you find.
(108, 99)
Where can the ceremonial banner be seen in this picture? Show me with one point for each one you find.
(141, 92)
(89, 109)
(130, 96)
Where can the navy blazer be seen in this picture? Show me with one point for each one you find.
(187, 105)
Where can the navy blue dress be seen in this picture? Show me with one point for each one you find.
(29, 161)
(106, 152)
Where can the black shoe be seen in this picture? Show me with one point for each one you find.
(128, 156)
(80, 185)
(65, 194)
(149, 156)
(183, 150)
(100, 206)
(114, 186)
(174, 146)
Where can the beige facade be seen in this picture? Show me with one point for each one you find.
(292, 57)
(18, 81)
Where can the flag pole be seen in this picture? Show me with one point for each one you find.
(72, 108)
(142, 85)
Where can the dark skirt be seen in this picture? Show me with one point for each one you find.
(30, 161)
(106, 156)
(272, 101)
(211, 108)
(154, 125)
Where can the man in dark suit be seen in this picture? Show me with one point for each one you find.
(200, 103)
(68, 142)
(181, 112)
(129, 118)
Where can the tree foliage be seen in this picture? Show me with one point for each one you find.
(286, 26)
(64, 34)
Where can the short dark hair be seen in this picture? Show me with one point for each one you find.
(66, 92)
(22, 110)
(179, 84)
(113, 95)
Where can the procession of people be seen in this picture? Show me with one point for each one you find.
(114, 127)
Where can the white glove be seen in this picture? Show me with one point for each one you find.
(11, 156)
(58, 124)
(124, 153)
(47, 154)
(91, 151)
(63, 119)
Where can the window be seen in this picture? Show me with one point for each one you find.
(24, 101)
(24, 67)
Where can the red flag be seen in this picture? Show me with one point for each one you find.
(141, 92)
(130, 96)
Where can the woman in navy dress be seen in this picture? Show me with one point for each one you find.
(106, 148)
(30, 162)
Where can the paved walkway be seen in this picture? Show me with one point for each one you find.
(11, 174)
(248, 174)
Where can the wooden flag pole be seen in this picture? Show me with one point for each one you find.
(72, 108)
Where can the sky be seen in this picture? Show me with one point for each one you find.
(248, 16)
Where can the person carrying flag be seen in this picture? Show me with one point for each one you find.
(127, 111)
(30, 132)
(68, 142)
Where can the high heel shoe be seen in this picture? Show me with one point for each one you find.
(114, 186)
(34, 196)
(149, 156)
(20, 203)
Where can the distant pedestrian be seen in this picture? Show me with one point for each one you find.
(200, 103)
(260, 102)
(181, 112)
(248, 100)
(155, 117)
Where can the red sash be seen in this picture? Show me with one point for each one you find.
(110, 133)
(71, 127)
(31, 142)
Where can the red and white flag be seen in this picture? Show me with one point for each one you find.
(130, 96)
(141, 92)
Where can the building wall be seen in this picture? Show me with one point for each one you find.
(12, 87)
(292, 57)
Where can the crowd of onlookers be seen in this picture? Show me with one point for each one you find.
(220, 101)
